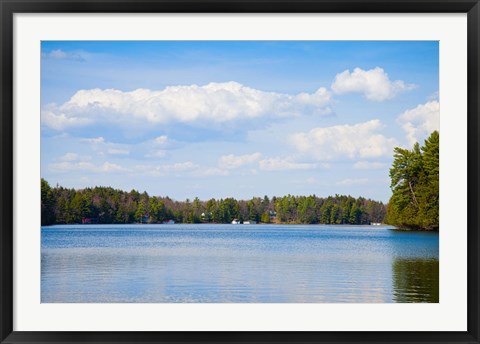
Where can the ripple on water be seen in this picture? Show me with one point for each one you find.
(225, 263)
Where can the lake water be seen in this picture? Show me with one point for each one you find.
(237, 263)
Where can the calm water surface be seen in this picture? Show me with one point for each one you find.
(237, 263)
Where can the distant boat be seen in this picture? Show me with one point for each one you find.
(169, 222)
(235, 222)
(375, 224)
(249, 222)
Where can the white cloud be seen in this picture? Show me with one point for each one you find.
(61, 121)
(209, 172)
(161, 140)
(180, 166)
(67, 166)
(367, 165)
(277, 164)
(319, 98)
(348, 181)
(71, 166)
(69, 157)
(110, 167)
(374, 84)
(419, 122)
(103, 147)
(358, 140)
(149, 170)
(433, 96)
(308, 181)
(114, 151)
(59, 54)
(95, 140)
(74, 157)
(235, 161)
(158, 147)
(157, 154)
(214, 102)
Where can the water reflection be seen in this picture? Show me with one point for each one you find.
(415, 280)
(237, 264)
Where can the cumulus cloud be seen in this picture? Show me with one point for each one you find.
(278, 164)
(367, 165)
(58, 120)
(214, 102)
(420, 121)
(235, 161)
(374, 84)
(349, 181)
(351, 141)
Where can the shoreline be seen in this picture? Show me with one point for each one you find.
(246, 226)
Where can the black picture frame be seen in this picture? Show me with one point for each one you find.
(10, 7)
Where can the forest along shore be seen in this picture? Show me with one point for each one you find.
(414, 204)
(111, 206)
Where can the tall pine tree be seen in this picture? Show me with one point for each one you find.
(415, 185)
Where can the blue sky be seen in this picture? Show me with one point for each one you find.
(234, 118)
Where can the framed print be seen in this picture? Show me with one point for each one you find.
(239, 171)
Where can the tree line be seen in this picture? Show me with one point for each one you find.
(415, 186)
(414, 203)
(106, 205)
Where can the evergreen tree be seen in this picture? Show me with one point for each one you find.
(141, 212)
(107, 205)
(47, 204)
(415, 186)
(265, 218)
